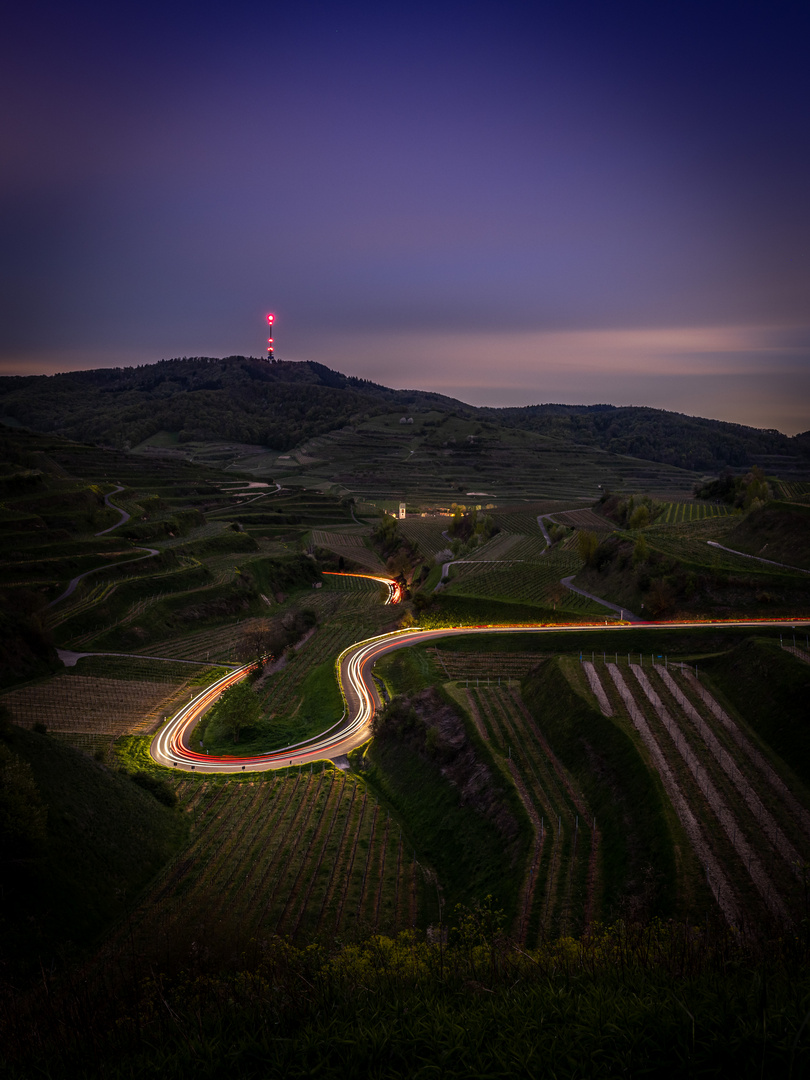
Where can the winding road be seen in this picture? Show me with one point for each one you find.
(105, 566)
(171, 744)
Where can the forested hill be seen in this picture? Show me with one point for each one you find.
(688, 442)
(237, 398)
(282, 404)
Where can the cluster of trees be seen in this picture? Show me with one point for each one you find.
(267, 639)
(688, 442)
(748, 492)
(237, 709)
(400, 555)
(635, 512)
(468, 524)
(660, 579)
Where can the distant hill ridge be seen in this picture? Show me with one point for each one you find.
(282, 404)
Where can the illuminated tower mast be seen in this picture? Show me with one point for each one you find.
(270, 320)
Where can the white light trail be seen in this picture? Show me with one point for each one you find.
(170, 746)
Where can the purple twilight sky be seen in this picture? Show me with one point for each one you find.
(507, 202)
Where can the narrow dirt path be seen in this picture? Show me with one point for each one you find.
(124, 515)
(777, 783)
(767, 823)
(598, 689)
(720, 808)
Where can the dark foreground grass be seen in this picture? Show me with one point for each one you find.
(661, 1000)
(105, 837)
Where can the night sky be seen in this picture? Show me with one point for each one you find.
(510, 203)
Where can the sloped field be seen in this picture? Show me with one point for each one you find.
(748, 830)
(308, 855)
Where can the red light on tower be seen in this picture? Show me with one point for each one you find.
(270, 320)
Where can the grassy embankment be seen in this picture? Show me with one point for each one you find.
(779, 531)
(638, 830)
(319, 706)
(771, 688)
(476, 845)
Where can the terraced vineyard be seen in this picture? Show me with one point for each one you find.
(433, 464)
(354, 583)
(484, 668)
(350, 546)
(534, 582)
(561, 882)
(220, 644)
(749, 832)
(309, 855)
(793, 490)
(426, 533)
(90, 711)
(675, 513)
(583, 519)
(524, 519)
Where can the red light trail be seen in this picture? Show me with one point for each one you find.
(354, 666)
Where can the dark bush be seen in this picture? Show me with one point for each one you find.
(159, 788)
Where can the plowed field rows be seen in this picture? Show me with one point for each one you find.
(483, 668)
(560, 886)
(749, 831)
(681, 512)
(95, 706)
(303, 855)
(530, 582)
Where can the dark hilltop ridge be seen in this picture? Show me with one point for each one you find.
(281, 404)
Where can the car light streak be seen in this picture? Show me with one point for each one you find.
(170, 745)
(395, 591)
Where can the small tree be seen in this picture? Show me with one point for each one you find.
(258, 640)
(660, 597)
(640, 551)
(238, 708)
(587, 543)
(640, 518)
